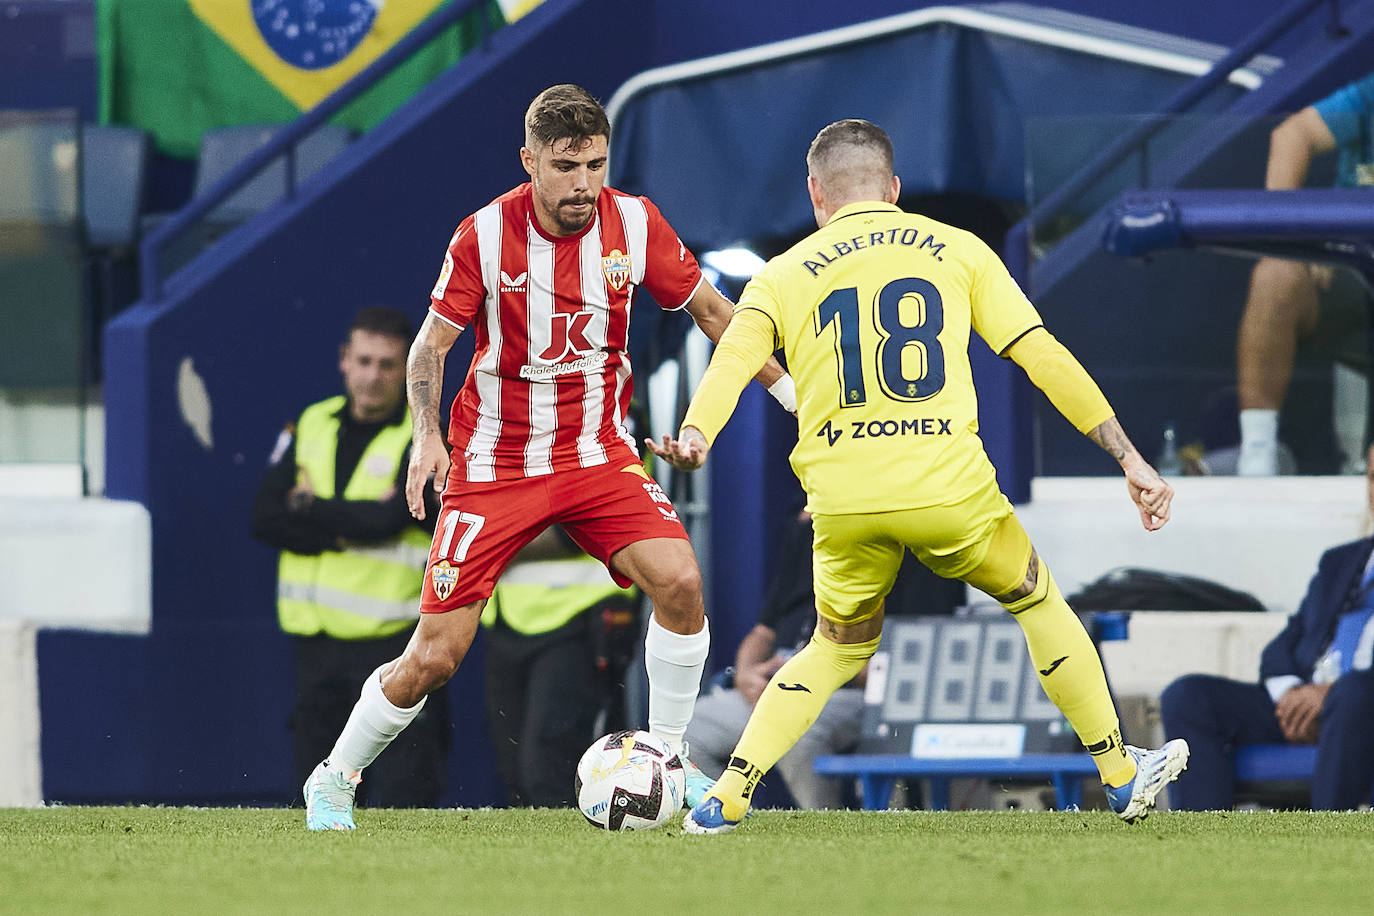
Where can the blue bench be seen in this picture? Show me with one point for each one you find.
(878, 774)
(1274, 762)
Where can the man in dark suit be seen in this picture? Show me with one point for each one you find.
(1316, 687)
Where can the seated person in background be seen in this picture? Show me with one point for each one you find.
(1218, 452)
(785, 623)
(1316, 687)
(545, 690)
(1291, 301)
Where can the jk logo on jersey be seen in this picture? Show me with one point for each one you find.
(616, 266)
(567, 336)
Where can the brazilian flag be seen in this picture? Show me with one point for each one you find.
(178, 67)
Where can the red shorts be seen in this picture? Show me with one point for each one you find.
(482, 526)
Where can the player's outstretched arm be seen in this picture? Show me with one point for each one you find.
(712, 312)
(686, 453)
(1150, 492)
(424, 385)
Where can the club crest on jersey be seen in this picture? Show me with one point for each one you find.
(616, 266)
(443, 576)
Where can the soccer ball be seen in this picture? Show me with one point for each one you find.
(629, 781)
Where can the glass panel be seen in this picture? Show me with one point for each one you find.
(42, 289)
(1160, 333)
(1058, 148)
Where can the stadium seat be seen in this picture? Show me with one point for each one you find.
(114, 165)
(40, 255)
(224, 148)
(1276, 763)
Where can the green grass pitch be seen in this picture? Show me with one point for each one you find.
(208, 861)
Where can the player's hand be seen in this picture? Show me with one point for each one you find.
(300, 497)
(299, 500)
(1150, 492)
(751, 680)
(685, 454)
(428, 461)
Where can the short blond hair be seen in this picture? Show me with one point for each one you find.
(852, 153)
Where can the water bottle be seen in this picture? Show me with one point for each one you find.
(1169, 464)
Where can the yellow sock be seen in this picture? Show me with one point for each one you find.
(1071, 672)
(789, 705)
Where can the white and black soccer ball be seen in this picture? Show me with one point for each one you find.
(629, 781)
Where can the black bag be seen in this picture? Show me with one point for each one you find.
(1128, 588)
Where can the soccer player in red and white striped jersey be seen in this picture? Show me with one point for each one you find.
(546, 276)
(549, 385)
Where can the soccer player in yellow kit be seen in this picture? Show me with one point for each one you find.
(873, 312)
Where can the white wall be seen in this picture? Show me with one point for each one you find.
(1163, 645)
(1260, 535)
(68, 563)
(20, 769)
(76, 563)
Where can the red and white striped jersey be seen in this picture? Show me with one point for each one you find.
(549, 387)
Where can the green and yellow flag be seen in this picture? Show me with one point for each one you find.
(178, 67)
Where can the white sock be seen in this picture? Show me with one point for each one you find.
(674, 663)
(1259, 424)
(374, 723)
(1259, 442)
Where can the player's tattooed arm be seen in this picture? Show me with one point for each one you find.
(429, 459)
(425, 372)
(1112, 439)
(1151, 493)
(424, 368)
(712, 313)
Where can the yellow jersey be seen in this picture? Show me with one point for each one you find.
(873, 312)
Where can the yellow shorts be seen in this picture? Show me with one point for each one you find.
(978, 540)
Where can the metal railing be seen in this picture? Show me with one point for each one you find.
(1017, 246)
(285, 140)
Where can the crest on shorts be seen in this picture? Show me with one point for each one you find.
(616, 266)
(443, 576)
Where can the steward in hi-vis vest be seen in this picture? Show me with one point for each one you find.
(358, 591)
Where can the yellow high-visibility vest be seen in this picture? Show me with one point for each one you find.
(366, 591)
(542, 595)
